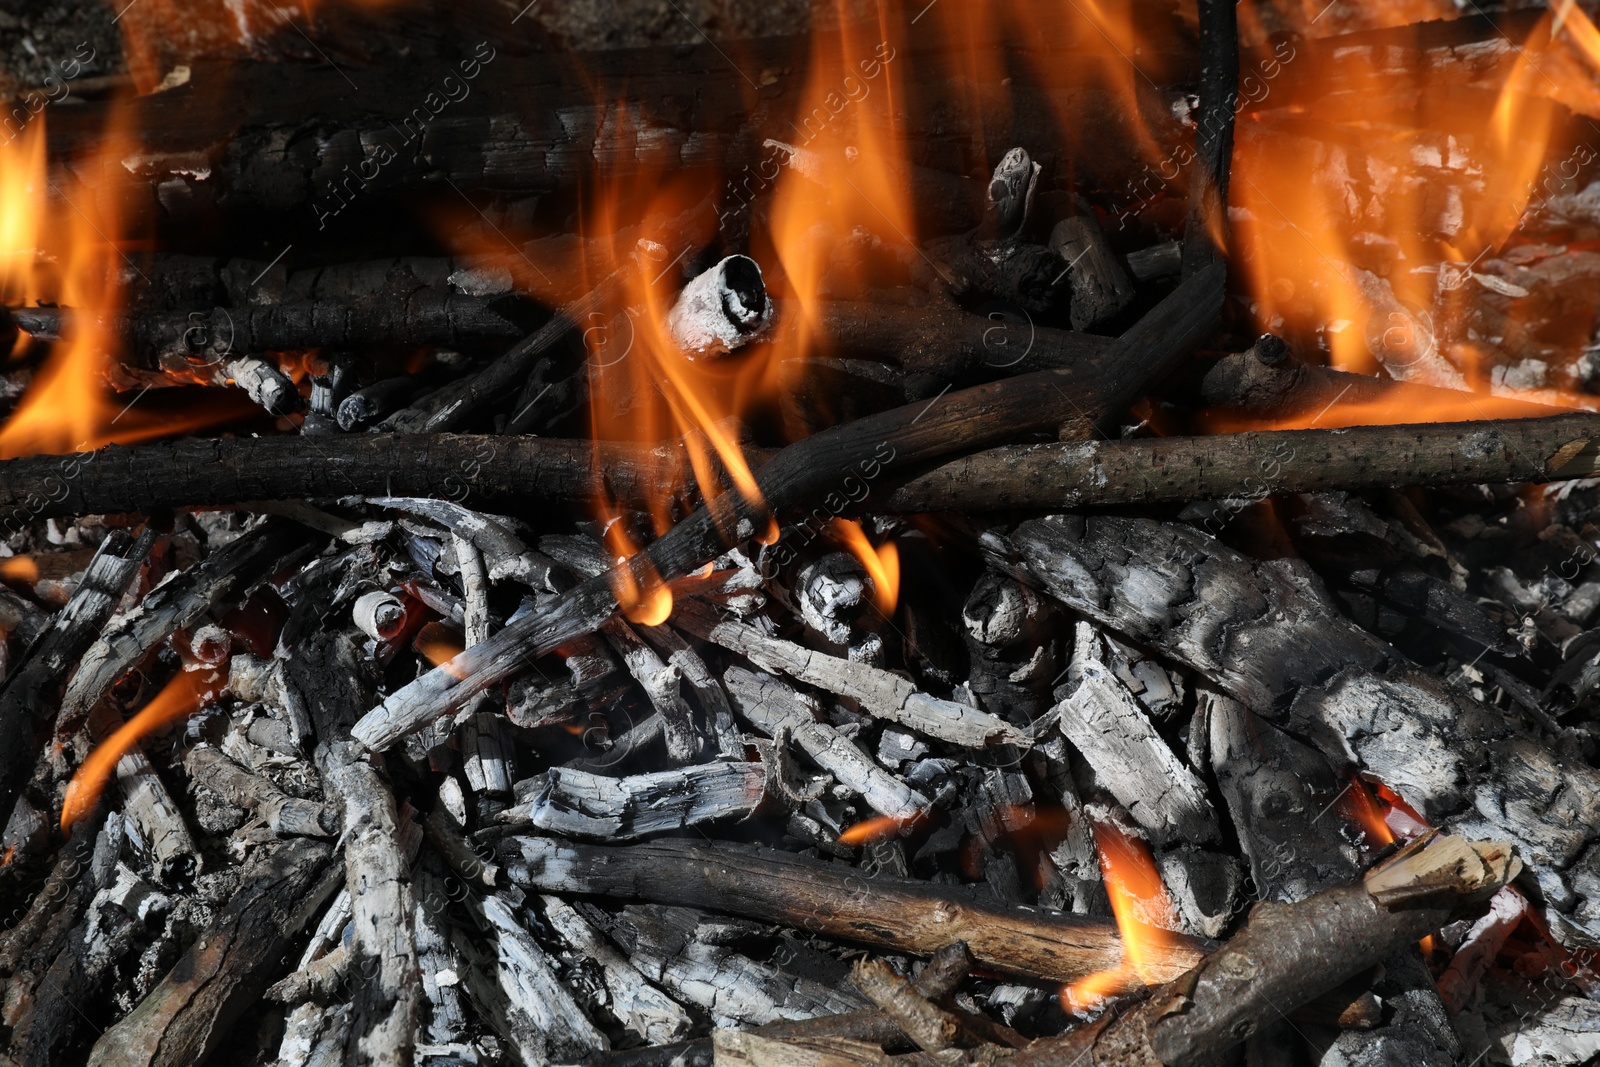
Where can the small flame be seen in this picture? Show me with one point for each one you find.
(176, 702)
(641, 594)
(882, 563)
(440, 645)
(1137, 897)
(878, 829)
(19, 569)
(1359, 805)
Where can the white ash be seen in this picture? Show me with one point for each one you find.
(830, 591)
(722, 309)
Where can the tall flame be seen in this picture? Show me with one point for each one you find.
(1368, 226)
(1144, 915)
(67, 407)
(176, 702)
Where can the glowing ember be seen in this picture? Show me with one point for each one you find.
(1144, 914)
(882, 563)
(176, 702)
(440, 645)
(19, 569)
(877, 829)
(1359, 805)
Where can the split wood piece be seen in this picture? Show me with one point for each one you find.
(181, 600)
(661, 685)
(1285, 802)
(325, 681)
(1205, 236)
(504, 554)
(1107, 726)
(1254, 465)
(1265, 633)
(284, 815)
(715, 710)
(187, 342)
(772, 707)
(515, 986)
(584, 804)
(879, 692)
(1286, 955)
(314, 1036)
(811, 470)
(629, 996)
(32, 688)
(694, 957)
(184, 1018)
(163, 835)
(485, 736)
(45, 960)
(942, 976)
(896, 914)
(437, 958)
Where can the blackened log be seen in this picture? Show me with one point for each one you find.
(183, 1019)
(898, 914)
(289, 150)
(1266, 633)
(815, 469)
(1205, 236)
(1254, 464)
(31, 691)
(182, 341)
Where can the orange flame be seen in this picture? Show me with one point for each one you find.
(1367, 231)
(67, 408)
(882, 563)
(1144, 916)
(1359, 805)
(440, 645)
(19, 569)
(176, 702)
(877, 829)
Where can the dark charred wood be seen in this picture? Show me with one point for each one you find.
(897, 914)
(808, 472)
(182, 1020)
(1205, 237)
(182, 341)
(32, 690)
(1266, 633)
(1254, 465)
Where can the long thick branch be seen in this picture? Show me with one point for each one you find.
(201, 473)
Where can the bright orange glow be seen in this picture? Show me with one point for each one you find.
(882, 563)
(67, 408)
(176, 702)
(1144, 914)
(22, 193)
(439, 645)
(19, 569)
(1359, 806)
(1365, 232)
(877, 829)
